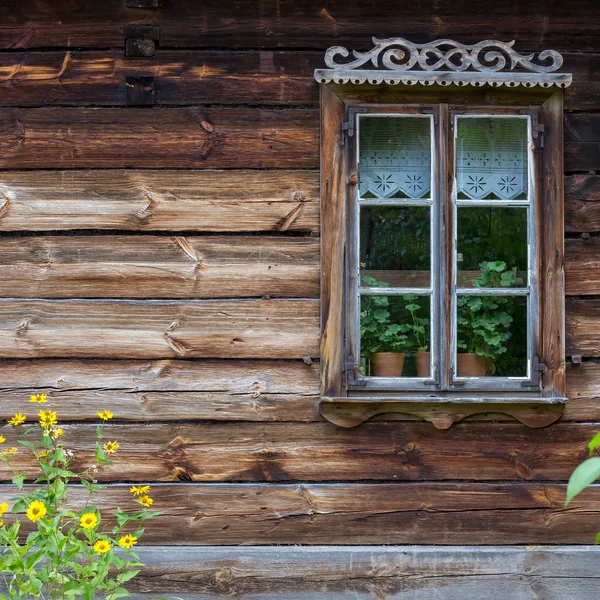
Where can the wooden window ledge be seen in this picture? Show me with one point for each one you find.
(440, 411)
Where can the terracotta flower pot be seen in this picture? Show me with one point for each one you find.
(473, 365)
(388, 364)
(423, 362)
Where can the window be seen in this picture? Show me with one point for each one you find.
(442, 246)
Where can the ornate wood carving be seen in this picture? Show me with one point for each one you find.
(397, 60)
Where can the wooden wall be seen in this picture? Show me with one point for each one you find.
(159, 257)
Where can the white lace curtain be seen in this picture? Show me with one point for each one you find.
(394, 157)
(492, 158)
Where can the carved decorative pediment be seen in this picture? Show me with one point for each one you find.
(444, 62)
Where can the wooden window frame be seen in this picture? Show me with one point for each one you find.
(348, 405)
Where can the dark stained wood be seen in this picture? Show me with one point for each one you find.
(159, 329)
(199, 77)
(233, 201)
(582, 142)
(86, 23)
(376, 451)
(158, 267)
(355, 514)
(582, 202)
(551, 253)
(158, 138)
(333, 244)
(583, 327)
(583, 390)
(582, 266)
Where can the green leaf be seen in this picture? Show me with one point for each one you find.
(597, 540)
(18, 480)
(594, 442)
(127, 575)
(120, 592)
(585, 474)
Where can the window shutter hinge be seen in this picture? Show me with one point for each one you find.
(538, 366)
(537, 128)
(348, 126)
(352, 371)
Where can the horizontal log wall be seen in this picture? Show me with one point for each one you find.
(159, 257)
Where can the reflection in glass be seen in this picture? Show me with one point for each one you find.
(395, 245)
(395, 336)
(496, 238)
(394, 157)
(491, 158)
(491, 336)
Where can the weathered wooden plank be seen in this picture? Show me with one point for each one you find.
(382, 451)
(582, 145)
(158, 267)
(219, 201)
(233, 138)
(167, 390)
(582, 202)
(202, 77)
(159, 329)
(368, 573)
(85, 23)
(582, 266)
(180, 77)
(583, 390)
(444, 513)
(583, 327)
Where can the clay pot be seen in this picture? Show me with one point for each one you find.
(423, 362)
(473, 365)
(388, 364)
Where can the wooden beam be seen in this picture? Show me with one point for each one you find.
(159, 267)
(583, 326)
(582, 202)
(159, 329)
(215, 201)
(279, 452)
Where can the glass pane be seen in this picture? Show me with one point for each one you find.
(395, 336)
(395, 246)
(491, 158)
(492, 336)
(394, 157)
(492, 246)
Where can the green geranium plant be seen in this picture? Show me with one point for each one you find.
(482, 321)
(419, 326)
(67, 554)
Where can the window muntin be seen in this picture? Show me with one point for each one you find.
(493, 184)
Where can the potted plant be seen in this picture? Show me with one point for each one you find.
(419, 328)
(382, 342)
(482, 323)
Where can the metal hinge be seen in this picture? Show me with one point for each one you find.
(536, 367)
(352, 371)
(537, 128)
(348, 126)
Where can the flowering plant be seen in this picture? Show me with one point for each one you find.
(69, 555)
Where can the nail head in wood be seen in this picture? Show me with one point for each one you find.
(576, 359)
(307, 360)
(139, 91)
(140, 48)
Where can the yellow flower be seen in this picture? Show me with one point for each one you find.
(48, 418)
(111, 447)
(38, 398)
(18, 419)
(1, 522)
(102, 546)
(138, 491)
(56, 433)
(146, 501)
(105, 415)
(9, 451)
(36, 511)
(127, 541)
(43, 454)
(88, 520)
(3, 508)
(2, 439)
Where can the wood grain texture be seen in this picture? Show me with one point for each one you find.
(582, 202)
(582, 142)
(368, 573)
(233, 138)
(582, 266)
(212, 201)
(352, 514)
(374, 451)
(203, 77)
(583, 327)
(159, 329)
(159, 267)
(249, 390)
(166, 390)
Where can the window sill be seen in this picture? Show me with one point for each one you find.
(442, 411)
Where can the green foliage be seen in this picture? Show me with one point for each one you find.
(483, 321)
(377, 333)
(67, 555)
(419, 326)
